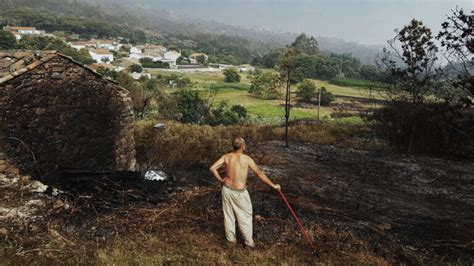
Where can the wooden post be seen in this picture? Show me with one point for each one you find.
(319, 104)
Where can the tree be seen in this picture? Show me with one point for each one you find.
(141, 97)
(326, 97)
(458, 43)
(305, 45)
(266, 85)
(7, 40)
(202, 59)
(306, 91)
(287, 71)
(419, 54)
(107, 72)
(413, 82)
(135, 68)
(231, 75)
(191, 106)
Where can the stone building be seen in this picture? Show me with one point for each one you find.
(56, 114)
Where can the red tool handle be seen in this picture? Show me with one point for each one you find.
(305, 233)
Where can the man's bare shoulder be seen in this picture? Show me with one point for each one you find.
(248, 158)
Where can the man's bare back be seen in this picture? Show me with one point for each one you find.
(237, 165)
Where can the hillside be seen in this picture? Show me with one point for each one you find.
(146, 22)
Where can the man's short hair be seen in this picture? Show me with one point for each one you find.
(238, 143)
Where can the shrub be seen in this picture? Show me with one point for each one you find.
(431, 128)
(326, 96)
(240, 111)
(306, 91)
(221, 115)
(231, 75)
(191, 107)
(178, 81)
(266, 85)
(135, 68)
(149, 63)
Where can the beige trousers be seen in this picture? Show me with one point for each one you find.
(237, 204)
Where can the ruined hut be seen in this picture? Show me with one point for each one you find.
(56, 114)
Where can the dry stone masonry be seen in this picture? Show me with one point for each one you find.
(57, 114)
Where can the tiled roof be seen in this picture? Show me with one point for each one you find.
(100, 51)
(14, 63)
(20, 28)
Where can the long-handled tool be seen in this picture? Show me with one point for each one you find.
(305, 233)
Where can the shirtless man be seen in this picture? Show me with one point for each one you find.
(235, 197)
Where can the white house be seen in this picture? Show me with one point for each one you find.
(246, 68)
(154, 49)
(19, 32)
(138, 49)
(101, 55)
(81, 45)
(107, 44)
(171, 57)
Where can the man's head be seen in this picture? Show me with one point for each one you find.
(238, 143)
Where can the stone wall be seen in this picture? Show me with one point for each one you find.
(60, 115)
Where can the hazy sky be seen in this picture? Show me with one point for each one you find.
(362, 21)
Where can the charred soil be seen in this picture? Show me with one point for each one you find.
(358, 206)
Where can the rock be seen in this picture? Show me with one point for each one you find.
(3, 231)
(36, 186)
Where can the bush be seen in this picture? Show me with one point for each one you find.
(306, 91)
(149, 63)
(135, 68)
(222, 116)
(240, 111)
(107, 72)
(191, 107)
(266, 85)
(231, 75)
(7, 40)
(431, 128)
(178, 81)
(326, 96)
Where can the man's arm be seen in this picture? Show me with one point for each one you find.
(218, 164)
(262, 175)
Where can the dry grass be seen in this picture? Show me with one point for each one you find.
(184, 146)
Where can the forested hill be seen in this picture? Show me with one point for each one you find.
(142, 23)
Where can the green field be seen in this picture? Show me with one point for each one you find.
(262, 110)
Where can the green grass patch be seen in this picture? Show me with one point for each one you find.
(235, 86)
(357, 83)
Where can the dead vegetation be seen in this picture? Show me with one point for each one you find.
(359, 207)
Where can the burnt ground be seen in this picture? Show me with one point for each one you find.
(358, 206)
